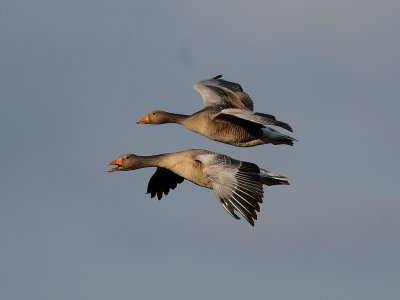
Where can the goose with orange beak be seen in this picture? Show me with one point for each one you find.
(237, 184)
(227, 117)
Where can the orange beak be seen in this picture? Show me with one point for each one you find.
(144, 120)
(117, 162)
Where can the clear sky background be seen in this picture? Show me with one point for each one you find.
(74, 77)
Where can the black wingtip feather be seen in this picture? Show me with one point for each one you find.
(162, 182)
(217, 77)
(284, 125)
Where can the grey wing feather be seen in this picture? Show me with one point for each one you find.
(236, 184)
(259, 118)
(233, 86)
(217, 91)
(229, 208)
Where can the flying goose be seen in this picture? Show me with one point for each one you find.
(227, 117)
(237, 184)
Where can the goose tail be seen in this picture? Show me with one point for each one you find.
(276, 138)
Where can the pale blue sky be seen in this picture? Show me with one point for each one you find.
(74, 77)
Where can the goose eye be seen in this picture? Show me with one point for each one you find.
(154, 113)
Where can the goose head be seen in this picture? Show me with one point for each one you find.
(155, 117)
(124, 162)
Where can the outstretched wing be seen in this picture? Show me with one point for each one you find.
(162, 181)
(233, 114)
(236, 184)
(217, 91)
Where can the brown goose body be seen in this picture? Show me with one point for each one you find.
(237, 184)
(227, 117)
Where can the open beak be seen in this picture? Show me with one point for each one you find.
(144, 120)
(117, 163)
